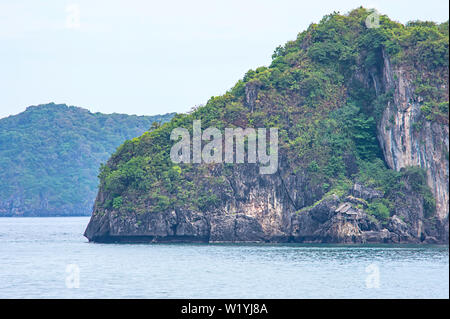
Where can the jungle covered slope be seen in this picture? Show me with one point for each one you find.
(50, 157)
(327, 92)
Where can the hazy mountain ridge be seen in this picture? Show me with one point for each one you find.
(50, 156)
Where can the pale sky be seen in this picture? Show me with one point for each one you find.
(152, 57)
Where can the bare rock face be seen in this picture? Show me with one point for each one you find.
(403, 145)
(359, 191)
(400, 228)
(251, 94)
(261, 210)
(170, 226)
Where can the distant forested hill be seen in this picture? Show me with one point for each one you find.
(50, 157)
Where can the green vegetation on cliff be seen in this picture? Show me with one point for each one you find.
(325, 94)
(50, 156)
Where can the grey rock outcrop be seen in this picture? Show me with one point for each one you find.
(404, 146)
(265, 212)
(366, 193)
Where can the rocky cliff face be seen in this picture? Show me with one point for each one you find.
(266, 208)
(404, 144)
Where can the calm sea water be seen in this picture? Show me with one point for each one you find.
(49, 258)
